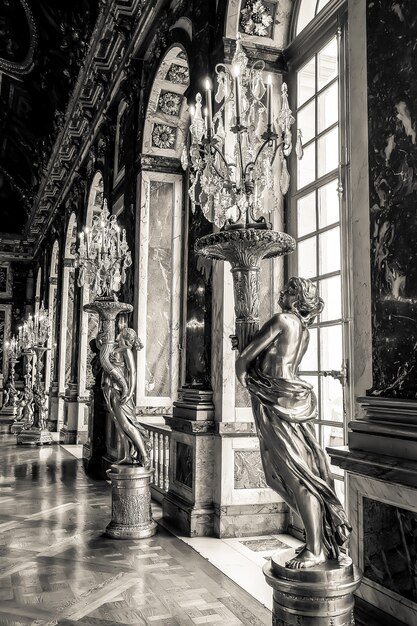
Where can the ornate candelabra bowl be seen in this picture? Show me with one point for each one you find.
(245, 248)
(102, 258)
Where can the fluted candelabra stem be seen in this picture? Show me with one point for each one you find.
(39, 390)
(12, 388)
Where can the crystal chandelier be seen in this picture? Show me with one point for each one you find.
(103, 256)
(35, 330)
(235, 186)
(13, 348)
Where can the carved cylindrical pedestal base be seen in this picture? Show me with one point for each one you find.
(317, 596)
(34, 437)
(17, 426)
(131, 503)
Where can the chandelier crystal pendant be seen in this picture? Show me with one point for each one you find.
(231, 154)
(103, 256)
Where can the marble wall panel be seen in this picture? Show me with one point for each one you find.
(158, 329)
(184, 464)
(2, 338)
(69, 327)
(390, 547)
(248, 470)
(199, 297)
(392, 111)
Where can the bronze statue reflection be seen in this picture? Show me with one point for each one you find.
(118, 384)
(295, 465)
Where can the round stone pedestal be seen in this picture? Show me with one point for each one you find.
(318, 596)
(131, 503)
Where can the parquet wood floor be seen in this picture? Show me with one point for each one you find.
(57, 568)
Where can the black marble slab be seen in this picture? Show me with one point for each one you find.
(392, 111)
(390, 547)
(198, 314)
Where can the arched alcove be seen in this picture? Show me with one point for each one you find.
(89, 321)
(52, 310)
(38, 289)
(67, 312)
(158, 271)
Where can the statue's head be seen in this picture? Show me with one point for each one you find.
(300, 295)
(129, 338)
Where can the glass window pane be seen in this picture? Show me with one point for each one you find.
(332, 436)
(321, 5)
(340, 487)
(328, 152)
(306, 81)
(328, 204)
(313, 381)
(328, 107)
(305, 14)
(306, 121)
(306, 214)
(306, 167)
(331, 291)
(331, 400)
(329, 251)
(309, 362)
(327, 63)
(331, 347)
(307, 257)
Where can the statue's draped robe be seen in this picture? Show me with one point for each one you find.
(283, 411)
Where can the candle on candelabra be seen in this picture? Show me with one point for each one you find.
(209, 120)
(269, 102)
(87, 242)
(118, 240)
(236, 74)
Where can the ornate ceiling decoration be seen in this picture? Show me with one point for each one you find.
(121, 28)
(42, 45)
(12, 29)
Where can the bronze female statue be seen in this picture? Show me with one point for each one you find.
(118, 384)
(295, 465)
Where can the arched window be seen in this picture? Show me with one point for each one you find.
(317, 207)
(307, 11)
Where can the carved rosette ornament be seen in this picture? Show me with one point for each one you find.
(245, 248)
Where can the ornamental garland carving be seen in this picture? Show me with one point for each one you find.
(169, 103)
(163, 136)
(256, 18)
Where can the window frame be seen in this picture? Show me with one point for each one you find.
(331, 21)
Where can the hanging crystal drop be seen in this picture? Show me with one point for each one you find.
(284, 181)
(184, 157)
(299, 149)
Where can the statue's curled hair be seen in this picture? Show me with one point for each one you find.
(308, 302)
(130, 336)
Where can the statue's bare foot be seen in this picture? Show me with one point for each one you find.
(306, 559)
(124, 461)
